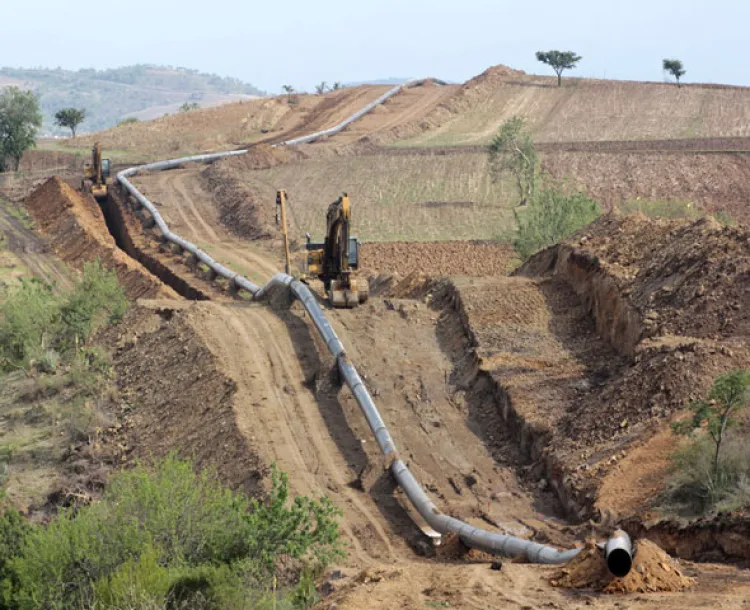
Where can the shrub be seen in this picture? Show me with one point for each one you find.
(165, 535)
(552, 216)
(29, 323)
(129, 121)
(37, 326)
(13, 533)
(713, 469)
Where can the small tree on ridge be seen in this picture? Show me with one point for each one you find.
(70, 118)
(675, 68)
(559, 61)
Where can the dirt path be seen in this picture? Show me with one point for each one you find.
(33, 252)
(190, 211)
(277, 410)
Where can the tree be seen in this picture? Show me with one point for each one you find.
(20, 118)
(336, 86)
(729, 394)
(675, 68)
(290, 91)
(512, 150)
(70, 118)
(559, 61)
(321, 88)
(188, 106)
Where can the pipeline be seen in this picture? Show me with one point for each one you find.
(618, 549)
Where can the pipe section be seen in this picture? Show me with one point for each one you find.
(618, 549)
(618, 552)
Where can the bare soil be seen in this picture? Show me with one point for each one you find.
(78, 234)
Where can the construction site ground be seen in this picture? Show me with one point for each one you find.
(477, 376)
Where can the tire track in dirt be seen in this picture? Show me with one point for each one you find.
(276, 410)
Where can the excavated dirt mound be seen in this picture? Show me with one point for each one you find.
(438, 258)
(175, 397)
(241, 210)
(653, 570)
(78, 234)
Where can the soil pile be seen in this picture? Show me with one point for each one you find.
(241, 209)
(79, 234)
(653, 570)
(174, 396)
(688, 278)
(438, 258)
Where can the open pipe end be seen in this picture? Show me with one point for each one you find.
(618, 553)
(619, 562)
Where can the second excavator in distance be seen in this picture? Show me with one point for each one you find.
(95, 174)
(335, 261)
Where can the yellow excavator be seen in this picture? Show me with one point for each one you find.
(95, 174)
(335, 262)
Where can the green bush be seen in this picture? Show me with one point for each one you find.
(129, 121)
(551, 216)
(13, 534)
(29, 323)
(165, 535)
(38, 326)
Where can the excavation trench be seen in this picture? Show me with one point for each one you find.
(127, 232)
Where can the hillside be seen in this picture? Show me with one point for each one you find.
(143, 91)
(581, 110)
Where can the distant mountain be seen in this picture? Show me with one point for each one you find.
(382, 81)
(144, 91)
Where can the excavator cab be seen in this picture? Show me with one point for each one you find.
(95, 174)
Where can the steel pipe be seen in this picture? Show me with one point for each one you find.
(618, 549)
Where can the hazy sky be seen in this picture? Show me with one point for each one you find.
(303, 42)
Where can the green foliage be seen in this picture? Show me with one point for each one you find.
(165, 537)
(29, 323)
(552, 216)
(13, 534)
(336, 86)
(661, 209)
(96, 300)
(675, 68)
(70, 118)
(20, 118)
(188, 106)
(307, 529)
(305, 595)
(729, 394)
(129, 121)
(512, 150)
(559, 61)
(37, 325)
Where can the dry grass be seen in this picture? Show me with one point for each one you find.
(591, 110)
(410, 198)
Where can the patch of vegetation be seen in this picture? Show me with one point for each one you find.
(724, 219)
(662, 208)
(712, 472)
(549, 213)
(559, 61)
(129, 121)
(39, 327)
(552, 216)
(165, 537)
(108, 95)
(188, 106)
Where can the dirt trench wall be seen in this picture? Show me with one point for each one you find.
(617, 321)
(128, 233)
(78, 234)
(533, 440)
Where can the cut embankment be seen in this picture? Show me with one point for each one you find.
(78, 234)
(175, 397)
